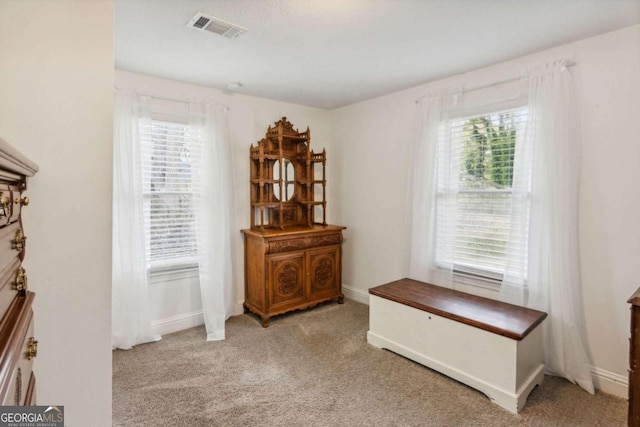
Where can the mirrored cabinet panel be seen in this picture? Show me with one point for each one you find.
(285, 170)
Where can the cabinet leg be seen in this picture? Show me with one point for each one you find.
(265, 321)
(341, 299)
(245, 310)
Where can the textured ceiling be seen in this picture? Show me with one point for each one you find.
(331, 53)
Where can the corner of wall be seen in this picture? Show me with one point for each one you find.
(355, 294)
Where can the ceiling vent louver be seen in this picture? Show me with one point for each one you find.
(202, 21)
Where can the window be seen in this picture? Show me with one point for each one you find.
(170, 168)
(475, 176)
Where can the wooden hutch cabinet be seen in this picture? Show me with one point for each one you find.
(292, 256)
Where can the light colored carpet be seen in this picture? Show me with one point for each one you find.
(315, 368)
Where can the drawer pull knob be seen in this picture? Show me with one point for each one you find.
(24, 201)
(32, 348)
(19, 241)
(21, 280)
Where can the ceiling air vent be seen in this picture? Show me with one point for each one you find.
(202, 21)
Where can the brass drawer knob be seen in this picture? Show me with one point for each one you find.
(32, 348)
(21, 280)
(19, 241)
(24, 201)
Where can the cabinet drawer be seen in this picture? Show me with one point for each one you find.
(16, 205)
(19, 388)
(17, 350)
(281, 245)
(10, 205)
(28, 352)
(12, 243)
(8, 290)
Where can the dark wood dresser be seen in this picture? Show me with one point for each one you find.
(18, 346)
(634, 356)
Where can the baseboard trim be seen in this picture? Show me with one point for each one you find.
(238, 309)
(356, 294)
(610, 382)
(177, 323)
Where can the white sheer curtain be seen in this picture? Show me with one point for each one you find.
(214, 216)
(131, 324)
(550, 155)
(431, 259)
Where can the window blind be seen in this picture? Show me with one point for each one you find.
(170, 153)
(476, 173)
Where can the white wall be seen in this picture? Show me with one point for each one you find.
(175, 304)
(56, 103)
(372, 141)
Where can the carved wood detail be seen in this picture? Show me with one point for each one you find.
(288, 279)
(280, 246)
(306, 182)
(289, 215)
(287, 245)
(284, 124)
(18, 395)
(331, 239)
(323, 273)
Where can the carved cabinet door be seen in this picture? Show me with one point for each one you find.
(286, 279)
(324, 272)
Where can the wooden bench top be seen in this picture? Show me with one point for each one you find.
(499, 317)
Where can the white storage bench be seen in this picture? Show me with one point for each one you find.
(489, 345)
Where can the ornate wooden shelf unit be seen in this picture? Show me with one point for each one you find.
(18, 346)
(292, 256)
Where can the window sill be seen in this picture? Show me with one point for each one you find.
(170, 274)
(477, 281)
